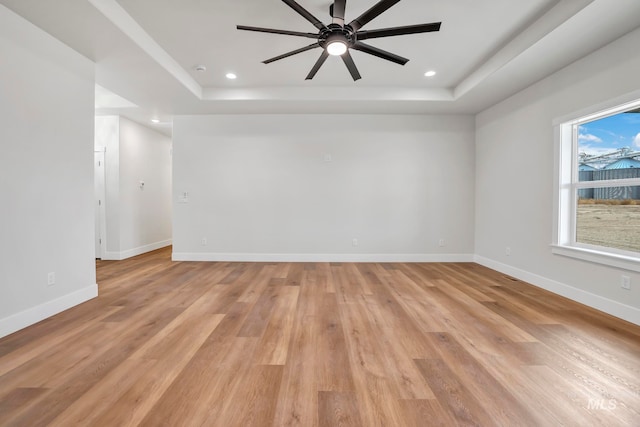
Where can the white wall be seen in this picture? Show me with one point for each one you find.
(259, 187)
(514, 178)
(145, 213)
(138, 219)
(46, 176)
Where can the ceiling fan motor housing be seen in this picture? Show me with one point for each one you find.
(337, 33)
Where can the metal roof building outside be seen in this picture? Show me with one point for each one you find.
(625, 163)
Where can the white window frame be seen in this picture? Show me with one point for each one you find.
(567, 185)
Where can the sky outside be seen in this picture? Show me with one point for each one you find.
(610, 134)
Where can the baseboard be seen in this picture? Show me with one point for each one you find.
(270, 257)
(119, 256)
(33, 315)
(614, 308)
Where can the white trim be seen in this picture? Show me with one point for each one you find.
(119, 17)
(270, 257)
(614, 308)
(103, 197)
(119, 256)
(605, 183)
(554, 17)
(597, 110)
(610, 259)
(33, 315)
(317, 93)
(111, 256)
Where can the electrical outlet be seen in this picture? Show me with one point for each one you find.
(204, 241)
(442, 242)
(625, 282)
(507, 251)
(354, 242)
(51, 279)
(328, 158)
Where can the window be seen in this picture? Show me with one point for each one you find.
(598, 210)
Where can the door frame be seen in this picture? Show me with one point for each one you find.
(99, 154)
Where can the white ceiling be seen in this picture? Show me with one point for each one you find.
(146, 52)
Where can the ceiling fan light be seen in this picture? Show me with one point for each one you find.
(336, 48)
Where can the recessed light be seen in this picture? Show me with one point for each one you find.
(430, 73)
(231, 76)
(155, 121)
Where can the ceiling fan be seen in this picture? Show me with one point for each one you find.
(337, 38)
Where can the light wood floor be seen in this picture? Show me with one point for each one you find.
(318, 344)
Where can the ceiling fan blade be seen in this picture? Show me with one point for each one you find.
(351, 66)
(274, 31)
(317, 65)
(305, 14)
(372, 13)
(293, 52)
(379, 53)
(337, 11)
(399, 31)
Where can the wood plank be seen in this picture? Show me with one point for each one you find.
(314, 344)
(420, 412)
(452, 394)
(369, 369)
(104, 395)
(79, 381)
(298, 398)
(258, 319)
(274, 344)
(497, 401)
(488, 317)
(295, 274)
(35, 347)
(333, 372)
(253, 403)
(199, 392)
(17, 400)
(338, 409)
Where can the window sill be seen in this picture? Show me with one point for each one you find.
(604, 258)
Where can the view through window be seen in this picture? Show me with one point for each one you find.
(608, 195)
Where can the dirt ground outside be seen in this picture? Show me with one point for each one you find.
(613, 226)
